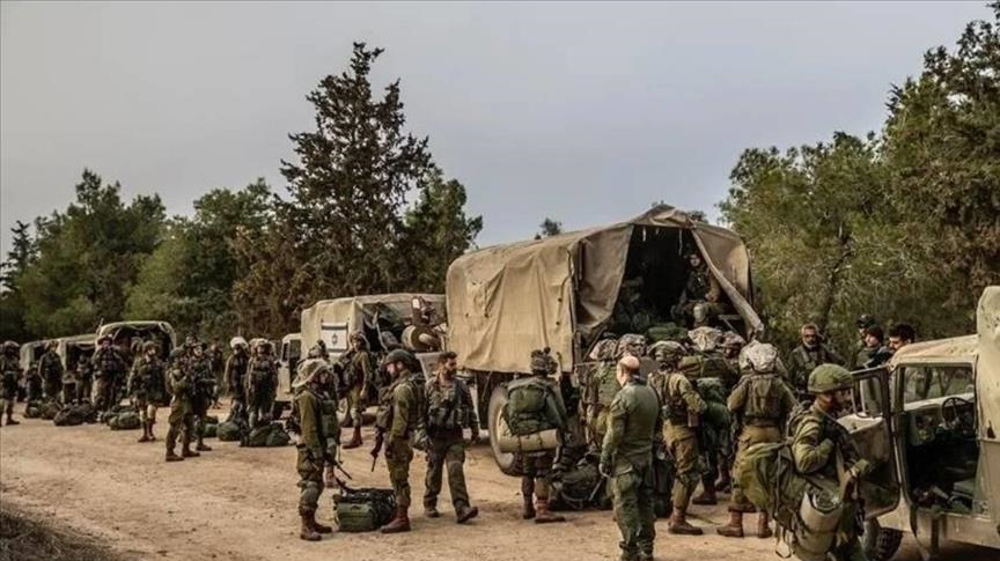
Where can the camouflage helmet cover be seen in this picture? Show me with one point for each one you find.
(10, 345)
(731, 340)
(667, 352)
(705, 339)
(829, 378)
(762, 357)
(542, 362)
(237, 342)
(150, 346)
(399, 355)
(308, 370)
(605, 349)
(632, 344)
(177, 354)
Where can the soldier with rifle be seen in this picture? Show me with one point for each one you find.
(317, 447)
(358, 378)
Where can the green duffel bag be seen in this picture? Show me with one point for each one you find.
(228, 432)
(580, 488)
(363, 510)
(666, 332)
(33, 410)
(210, 431)
(126, 420)
(211, 419)
(49, 410)
(268, 436)
(73, 415)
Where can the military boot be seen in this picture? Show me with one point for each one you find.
(707, 496)
(464, 513)
(543, 515)
(348, 421)
(724, 482)
(308, 533)
(319, 528)
(399, 523)
(152, 437)
(171, 444)
(528, 512)
(734, 529)
(11, 421)
(763, 527)
(186, 451)
(679, 525)
(145, 432)
(355, 441)
(431, 511)
(202, 447)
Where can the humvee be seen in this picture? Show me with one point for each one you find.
(931, 417)
(565, 292)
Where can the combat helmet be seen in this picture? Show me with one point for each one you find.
(10, 346)
(865, 321)
(177, 354)
(542, 362)
(308, 369)
(236, 342)
(762, 357)
(400, 355)
(705, 339)
(631, 343)
(732, 340)
(150, 346)
(667, 352)
(829, 378)
(605, 349)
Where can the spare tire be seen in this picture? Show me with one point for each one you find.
(505, 461)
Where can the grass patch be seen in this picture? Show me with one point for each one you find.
(27, 538)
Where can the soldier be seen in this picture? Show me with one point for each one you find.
(236, 373)
(203, 378)
(10, 371)
(596, 401)
(701, 300)
(109, 367)
(761, 404)
(627, 458)
(218, 363)
(32, 381)
(808, 355)
(875, 351)
(536, 467)
(319, 351)
(50, 370)
(732, 344)
(316, 448)
(148, 388)
(262, 380)
(863, 323)
(682, 408)
(819, 443)
(449, 412)
(85, 378)
(901, 335)
(181, 414)
(399, 416)
(358, 376)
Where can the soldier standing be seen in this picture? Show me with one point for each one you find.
(316, 448)
(203, 378)
(596, 401)
(85, 377)
(863, 323)
(874, 352)
(449, 412)
(147, 386)
(683, 409)
(109, 367)
(399, 416)
(236, 373)
(218, 363)
(819, 443)
(358, 376)
(809, 354)
(10, 371)
(262, 381)
(181, 415)
(536, 467)
(761, 404)
(627, 460)
(50, 370)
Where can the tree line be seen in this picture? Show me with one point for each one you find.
(902, 224)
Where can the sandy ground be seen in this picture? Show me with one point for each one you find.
(241, 503)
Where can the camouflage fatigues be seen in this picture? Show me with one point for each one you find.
(398, 418)
(203, 396)
(50, 369)
(261, 383)
(182, 419)
(236, 374)
(85, 379)
(536, 467)
(147, 384)
(10, 371)
(109, 369)
(803, 360)
(449, 412)
(627, 457)
(682, 408)
(313, 448)
(358, 375)
(599, 393)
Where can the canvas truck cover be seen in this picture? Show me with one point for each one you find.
(988, 370)
(334, 320)
(504, 301)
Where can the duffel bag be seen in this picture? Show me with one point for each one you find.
(363, 510)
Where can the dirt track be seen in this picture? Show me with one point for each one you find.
(240, 503)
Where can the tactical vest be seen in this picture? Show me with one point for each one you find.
(677, 407)
(386, 412)
(238, 368)
(763, 405)
(108, 362)
(261, 371)
(447, 410)
(151, 376)
(10, 369)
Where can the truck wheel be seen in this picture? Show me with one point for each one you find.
(505, 461)
(879, 543)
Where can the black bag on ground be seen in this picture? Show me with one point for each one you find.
(73, 415)
(578, 489)
(363, 510)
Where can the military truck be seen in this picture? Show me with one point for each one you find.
(289, 356)
(70, 349)
(122, 334)
(31, 352)
(931, 418)
(565, 292)
(411, 320)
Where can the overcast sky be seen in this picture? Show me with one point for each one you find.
(584, 112)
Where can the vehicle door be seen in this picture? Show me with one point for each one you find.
(871, 426)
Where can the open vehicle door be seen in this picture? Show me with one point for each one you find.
(871, 428)
(988, 398)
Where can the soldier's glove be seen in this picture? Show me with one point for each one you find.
(861, 469)
(825, 448)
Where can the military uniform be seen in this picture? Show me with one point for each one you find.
(449, 412)
(50, 369)
(683, 410)
(236, 374)
(399, 416)
(203, 396)
(85, 379)
(10, 371)
(598, 395)
(358, 375)
(181, 413)
(804, 360)
(313, 455)
(147, 385)
(627, 457)
(109, 368)
(761, 402)
(261, 384)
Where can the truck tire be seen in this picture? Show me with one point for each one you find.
(505, 461)
(879, 543)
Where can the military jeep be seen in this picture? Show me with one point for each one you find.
(930, 418)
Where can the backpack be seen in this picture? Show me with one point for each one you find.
(363, 510)
(74, 415)
(228, 431)
(126, 420)
(763, 397)
(529, 407)
(705, 365)
(579, 488)
(33, 410)
(211, 430)
(268, 436)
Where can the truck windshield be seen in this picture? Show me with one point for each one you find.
(930, 382)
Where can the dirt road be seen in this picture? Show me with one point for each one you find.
(240, 503)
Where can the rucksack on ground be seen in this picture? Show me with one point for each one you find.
(73, 415)
(363, 510)
(529, 408)
(210, 430)
(126, 420)
(268, 436)
(580, 488)
(229, 431)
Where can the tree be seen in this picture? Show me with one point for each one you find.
(22, 253)
(88, 256)
(549, 228)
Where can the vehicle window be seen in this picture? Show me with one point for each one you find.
(930, 382)
(294, 350)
